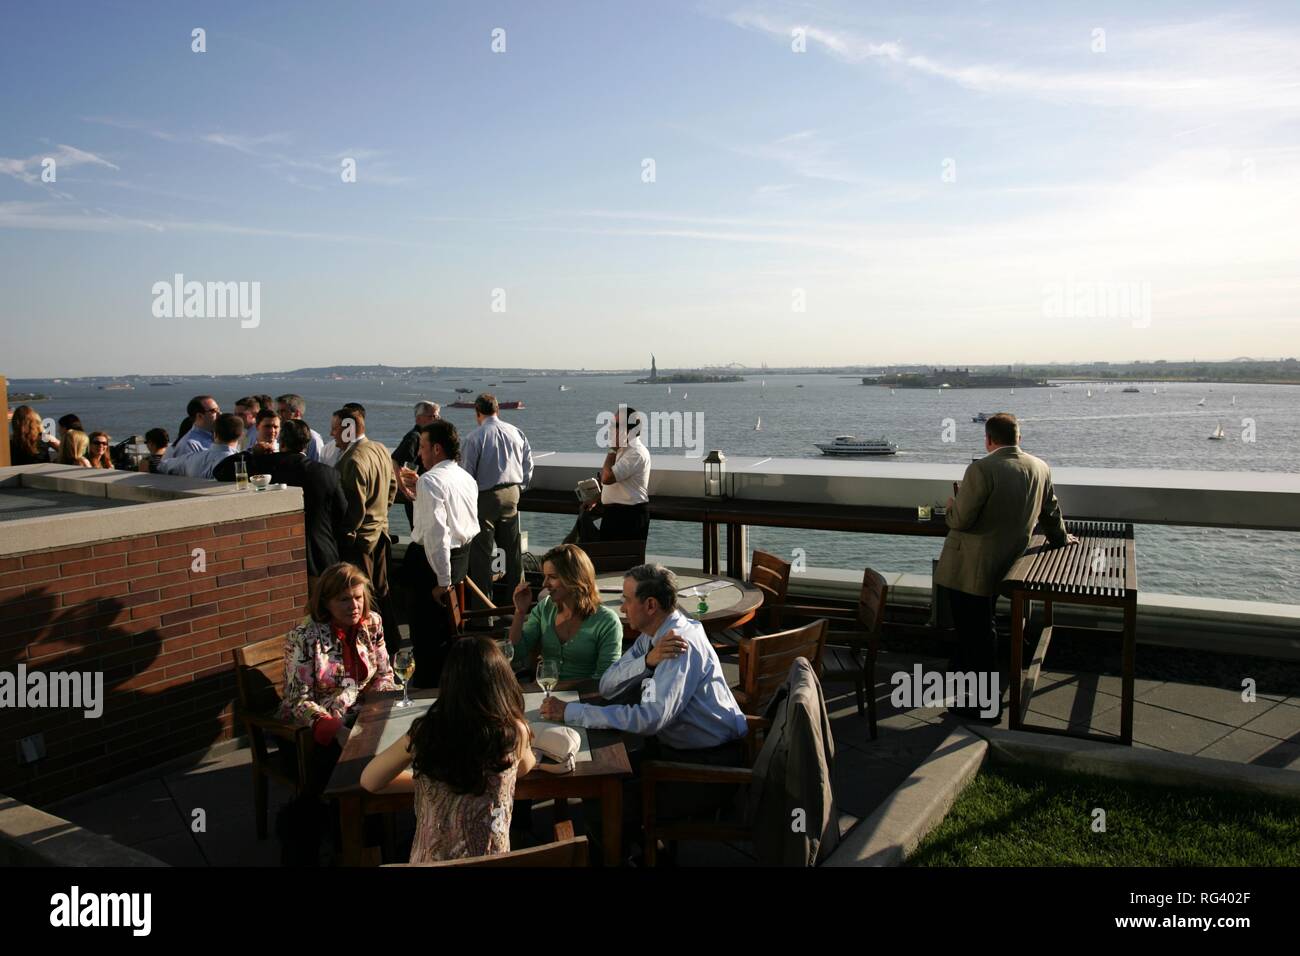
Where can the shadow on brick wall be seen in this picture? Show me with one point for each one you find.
(154, 709)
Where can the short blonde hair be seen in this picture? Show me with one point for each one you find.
(333, 581)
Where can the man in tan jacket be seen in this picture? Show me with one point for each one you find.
(370, 487)
(999, 501)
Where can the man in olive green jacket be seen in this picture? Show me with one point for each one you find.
(370, 487)
(999, 501)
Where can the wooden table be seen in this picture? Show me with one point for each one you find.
(1101, 570)
(599, 778)
(730, 606)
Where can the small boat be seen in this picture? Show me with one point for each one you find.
(892, 392)
(981, 417)
(465, 391)
(1132, 389)
(798, 386)
(758, 425)
(847, 445)
(670, 389)
(1200, 403)
(1218, 434)
(1234, 401)
(117, 387)
(564, 388)
(684, 394)
(1089, 393)
(513, 381)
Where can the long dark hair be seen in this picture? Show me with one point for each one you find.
(472, 729)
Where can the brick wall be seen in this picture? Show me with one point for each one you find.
(161, 632)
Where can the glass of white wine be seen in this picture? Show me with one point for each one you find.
(548, 675)
(404, 667)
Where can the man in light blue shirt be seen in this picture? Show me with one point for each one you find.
(685, 701)
(203, 411)
(499, 458)
(228, 432)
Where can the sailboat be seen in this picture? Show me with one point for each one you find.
(758, 425)
(684, 394)
(670, 389)
(1200, 403)
(1234, 401)
(1218, 434)
(892, 392)
(1090, 393)
(1155, 390)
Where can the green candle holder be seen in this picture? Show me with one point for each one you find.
(703, 606)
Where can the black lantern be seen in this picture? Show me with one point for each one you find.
(715, 475)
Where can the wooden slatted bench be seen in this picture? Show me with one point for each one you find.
(1100, 570)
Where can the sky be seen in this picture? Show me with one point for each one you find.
(573, 184)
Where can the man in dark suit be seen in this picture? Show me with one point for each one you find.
(1000, 499)
(323, 503)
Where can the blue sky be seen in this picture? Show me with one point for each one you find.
(923, 179)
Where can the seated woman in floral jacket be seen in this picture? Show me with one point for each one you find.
(336, 656)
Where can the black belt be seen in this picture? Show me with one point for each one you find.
(457, 552)
(508, 484)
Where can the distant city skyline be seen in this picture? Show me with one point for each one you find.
(505, 185)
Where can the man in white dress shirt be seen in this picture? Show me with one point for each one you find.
(293, 407)
(446, 521)
(624, 507)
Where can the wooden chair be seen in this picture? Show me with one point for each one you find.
(655, 773)
(567, 850)
(610, 556)
(259, 677)
(765, 662)
(850, 656)
(771, 575)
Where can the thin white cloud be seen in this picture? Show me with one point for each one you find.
(1219, 66)
(65, 157)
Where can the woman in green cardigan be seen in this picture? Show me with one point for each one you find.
(569, 624)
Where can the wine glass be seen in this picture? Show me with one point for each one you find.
(548, 675)
(404, 667)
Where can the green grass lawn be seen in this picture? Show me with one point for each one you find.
(1016, 816)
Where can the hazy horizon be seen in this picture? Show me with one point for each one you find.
(802, 184)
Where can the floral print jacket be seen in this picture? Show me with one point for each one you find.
(316, 681)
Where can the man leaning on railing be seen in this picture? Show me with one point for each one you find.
(991, 520)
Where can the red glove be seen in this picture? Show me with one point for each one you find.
(326, 729)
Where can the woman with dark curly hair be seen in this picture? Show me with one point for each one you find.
(462, 758)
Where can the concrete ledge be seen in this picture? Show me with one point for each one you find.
(164, 503)
(31, 837)
(1136, 766)
(892, 832)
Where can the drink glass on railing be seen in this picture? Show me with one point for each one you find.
(241, 475)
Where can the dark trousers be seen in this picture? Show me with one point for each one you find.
(617, 523)
(375, 566)
(429, 621)
(498, 519)
(977, 635)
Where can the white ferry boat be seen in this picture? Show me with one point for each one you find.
(848, 445)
